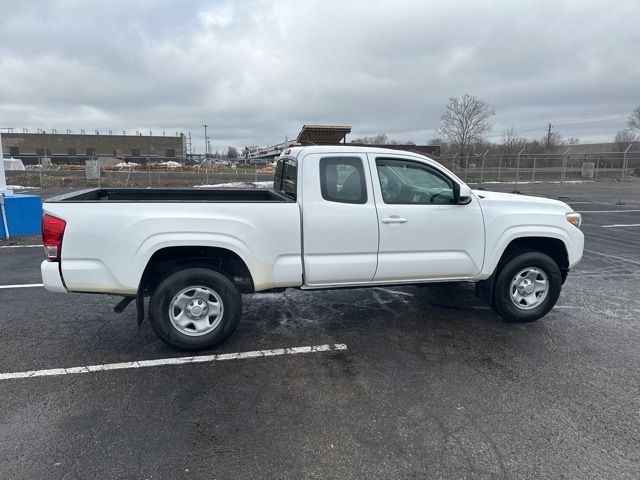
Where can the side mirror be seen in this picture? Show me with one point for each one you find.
(461, 194)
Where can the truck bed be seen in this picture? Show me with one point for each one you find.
(152, 195)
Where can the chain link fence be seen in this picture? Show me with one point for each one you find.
(615, 175)
(611, 175)
(137, 174)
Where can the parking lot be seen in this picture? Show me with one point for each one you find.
(408, 382)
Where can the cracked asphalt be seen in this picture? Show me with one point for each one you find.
(432, 385)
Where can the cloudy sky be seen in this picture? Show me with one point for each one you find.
(255, 71)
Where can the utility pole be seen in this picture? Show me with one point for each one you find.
(3, 192)
(206, 142)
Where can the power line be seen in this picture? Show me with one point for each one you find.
(567, 123)
(606, 120)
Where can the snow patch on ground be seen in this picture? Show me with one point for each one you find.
(19, 187)
(171, 164)
(127, 165)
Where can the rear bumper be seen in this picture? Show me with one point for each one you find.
(51, 277)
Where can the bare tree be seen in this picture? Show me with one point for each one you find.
(552, 139)
(232, 152)
(623, 139)
(465, 121)
(380, 139)
(634, 120)
(511, 143)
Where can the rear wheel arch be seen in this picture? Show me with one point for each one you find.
(168, 260)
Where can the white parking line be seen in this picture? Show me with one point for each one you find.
(174, 361)
(21, 246)
(26, 285)
(616, 225)
(626, 260)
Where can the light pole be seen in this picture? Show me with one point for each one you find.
(3, 192)
(206, 146)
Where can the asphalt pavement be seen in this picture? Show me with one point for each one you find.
(432, 384)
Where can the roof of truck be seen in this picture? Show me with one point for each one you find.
(295, 151)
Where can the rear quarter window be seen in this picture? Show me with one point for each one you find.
(285, 177)
(342, 180)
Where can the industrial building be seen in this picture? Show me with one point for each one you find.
(74, 148)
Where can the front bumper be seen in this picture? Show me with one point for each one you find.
(51, 277)
(576, 248)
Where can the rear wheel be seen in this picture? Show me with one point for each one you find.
(527, 287)
(195, 308)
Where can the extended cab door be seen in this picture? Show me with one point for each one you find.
(339, 221)
(423, 235)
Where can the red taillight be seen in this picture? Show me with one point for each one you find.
(52, 233)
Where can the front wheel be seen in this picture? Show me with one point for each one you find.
(195, 308)
(527, 287)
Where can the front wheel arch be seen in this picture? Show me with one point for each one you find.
(553, 247)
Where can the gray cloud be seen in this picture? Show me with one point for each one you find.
(256, 70)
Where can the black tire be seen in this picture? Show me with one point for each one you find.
(503, 288)
(227, 295)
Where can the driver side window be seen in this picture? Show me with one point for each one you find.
(406, 182)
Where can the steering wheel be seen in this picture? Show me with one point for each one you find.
(392, 190)
(436, 195)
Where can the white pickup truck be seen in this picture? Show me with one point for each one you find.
(338, 216)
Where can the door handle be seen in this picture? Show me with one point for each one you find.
(394, 219)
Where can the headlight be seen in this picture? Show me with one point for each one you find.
(574, 219)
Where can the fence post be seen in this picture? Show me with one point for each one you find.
(99, 173)
(482, 169)
(466, 168)
(40, 170)
(515, 187)
(597, 163)
(149, 171)
(565, 159)
(499, 167)
(625, 161)
(533, 175)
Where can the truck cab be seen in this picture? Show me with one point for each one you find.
(381, 216)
